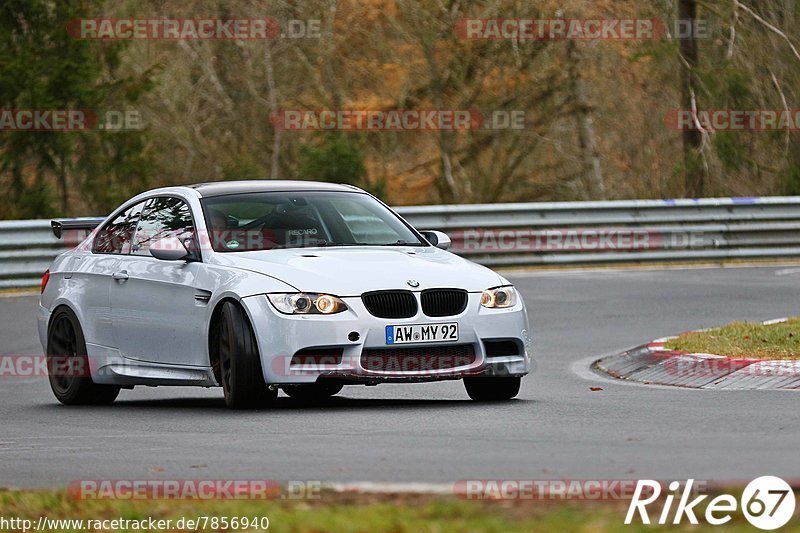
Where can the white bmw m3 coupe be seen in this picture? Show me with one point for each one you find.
(257, 286)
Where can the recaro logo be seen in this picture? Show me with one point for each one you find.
(767, 502)
(297, 232)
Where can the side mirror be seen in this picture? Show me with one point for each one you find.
(169, 249)
(437, 238)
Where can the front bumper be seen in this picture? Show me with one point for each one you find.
(281, 336)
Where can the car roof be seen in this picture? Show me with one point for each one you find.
(219, 188)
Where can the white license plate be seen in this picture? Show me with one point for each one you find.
(411, 333)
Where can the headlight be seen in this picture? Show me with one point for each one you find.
(302, 303)
(499, 297)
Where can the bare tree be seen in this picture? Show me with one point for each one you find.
(592, 173)
(696, 175)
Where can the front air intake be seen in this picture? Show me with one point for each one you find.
(418, 358)
(390, 304)
(443, 302)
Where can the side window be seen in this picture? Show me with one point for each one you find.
(163, 217)
(115, 237)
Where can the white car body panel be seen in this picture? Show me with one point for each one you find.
(367, 268)
(153, 328)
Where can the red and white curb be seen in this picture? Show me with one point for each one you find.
(654, 364)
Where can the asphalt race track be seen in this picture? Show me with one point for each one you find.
(557, 429)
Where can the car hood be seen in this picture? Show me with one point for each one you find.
(350, 271)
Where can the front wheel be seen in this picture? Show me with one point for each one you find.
(239, 361)
(68, 364)
(492, 389)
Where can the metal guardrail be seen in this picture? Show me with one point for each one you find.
(539, 233)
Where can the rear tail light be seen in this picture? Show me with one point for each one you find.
(45, 279)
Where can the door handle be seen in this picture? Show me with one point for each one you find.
(122, 275)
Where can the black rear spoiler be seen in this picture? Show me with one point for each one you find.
(74, 224)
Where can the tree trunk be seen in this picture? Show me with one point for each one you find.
(273, 104)
(695, 172)
(595, 188)
(62, 184)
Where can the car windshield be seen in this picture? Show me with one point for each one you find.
(266, 221)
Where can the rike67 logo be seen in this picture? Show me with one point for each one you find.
(767, 502)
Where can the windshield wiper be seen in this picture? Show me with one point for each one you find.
(324, 244)
(400, 243)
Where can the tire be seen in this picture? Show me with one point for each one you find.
(492, 389)
(313, 391)
(239, 361)
(68, 364)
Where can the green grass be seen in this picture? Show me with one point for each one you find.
(362, 513)
(744, 339)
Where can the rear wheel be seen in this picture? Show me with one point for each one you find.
(492, 389)
(239, 361)
(68, 365)
(313, 391)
